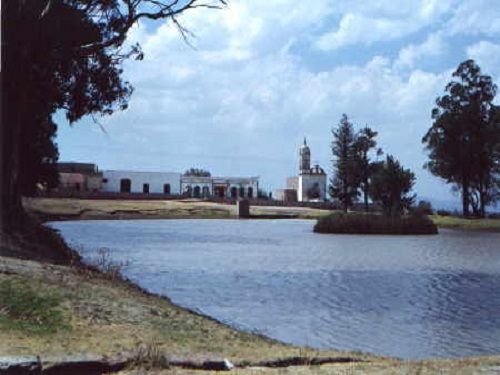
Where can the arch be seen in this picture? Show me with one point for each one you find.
(205, 192)
(242, 192)
(125, 185)
(234, 192)
(189, 191)
(145, 188)
(166, 188)
(250, 192)
(196, 191)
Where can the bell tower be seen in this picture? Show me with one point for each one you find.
(305, 158)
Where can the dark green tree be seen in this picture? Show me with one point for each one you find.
(62, 55)
(198, 172)
(391, 185)
(345, 182)
(464, 138)
(363, 144)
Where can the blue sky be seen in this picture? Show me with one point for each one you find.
(264, 74)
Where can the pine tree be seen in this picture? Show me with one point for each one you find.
(345, 182)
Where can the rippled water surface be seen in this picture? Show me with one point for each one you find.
(404, 296)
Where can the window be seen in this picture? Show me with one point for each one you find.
(166, 188)
(242, 192)
(196, 192)
(104, 180)
(234, 192)
(125, 184)
(250, 192)
(145, 188)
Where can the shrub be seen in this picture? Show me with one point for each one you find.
(443, 213)
(359, 223)
(424, 208)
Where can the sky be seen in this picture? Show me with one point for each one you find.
(263, 74)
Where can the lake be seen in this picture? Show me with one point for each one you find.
(405, 296)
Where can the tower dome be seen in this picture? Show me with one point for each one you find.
(305, 158)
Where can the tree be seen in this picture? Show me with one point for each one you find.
(363, 143)
(391, 185)
(63, 55)
(198, 172)
(464, 139)
(345, 182)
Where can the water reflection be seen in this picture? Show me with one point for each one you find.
(411, 297)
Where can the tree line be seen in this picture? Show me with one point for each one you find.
(463, 145)
(385, 182)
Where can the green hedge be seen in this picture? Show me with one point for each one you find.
(362, 223)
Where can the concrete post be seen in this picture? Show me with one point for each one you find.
(243, 208)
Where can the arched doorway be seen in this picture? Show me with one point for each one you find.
(125, 185)
(166, 188)
(189, 191)
(197, 191)
(205, 192)
(234, 192)
(242, 192)
(250, 192)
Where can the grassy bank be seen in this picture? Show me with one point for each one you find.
(74, 311)
(453, 222)
(55, 310)
(81, 209)
(361, 223)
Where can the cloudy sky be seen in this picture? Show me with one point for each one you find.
(265, 73)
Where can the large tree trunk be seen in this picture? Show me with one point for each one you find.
(12, 214)
(465, 198)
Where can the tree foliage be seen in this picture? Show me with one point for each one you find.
(64, 55)
(363, 144)
(344, 184)
(464, 140)
(391, 186)
(198, 172)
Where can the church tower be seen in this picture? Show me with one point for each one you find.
(311, 182)
(305, 158)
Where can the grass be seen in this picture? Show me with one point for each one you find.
(361, 223)
(472, 224)
(25, 309)
(109, 316)
(71, 208)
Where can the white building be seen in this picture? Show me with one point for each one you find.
(172, 183)
(220, 187)
(311, 185)
(141, 182)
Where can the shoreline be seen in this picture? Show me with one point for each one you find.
(188, 338)
(62, 209)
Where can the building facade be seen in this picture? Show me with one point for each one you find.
(220, 187)
(309, 185)
(79, 177)
(168, 183)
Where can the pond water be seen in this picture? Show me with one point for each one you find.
(403, 296)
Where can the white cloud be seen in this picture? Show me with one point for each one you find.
(368, 25)
(241, 101)
(487, 56)
(475, 17)
(408, 57)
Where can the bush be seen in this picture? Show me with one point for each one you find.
(424, 208)
(359, 223)
(443, 213)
